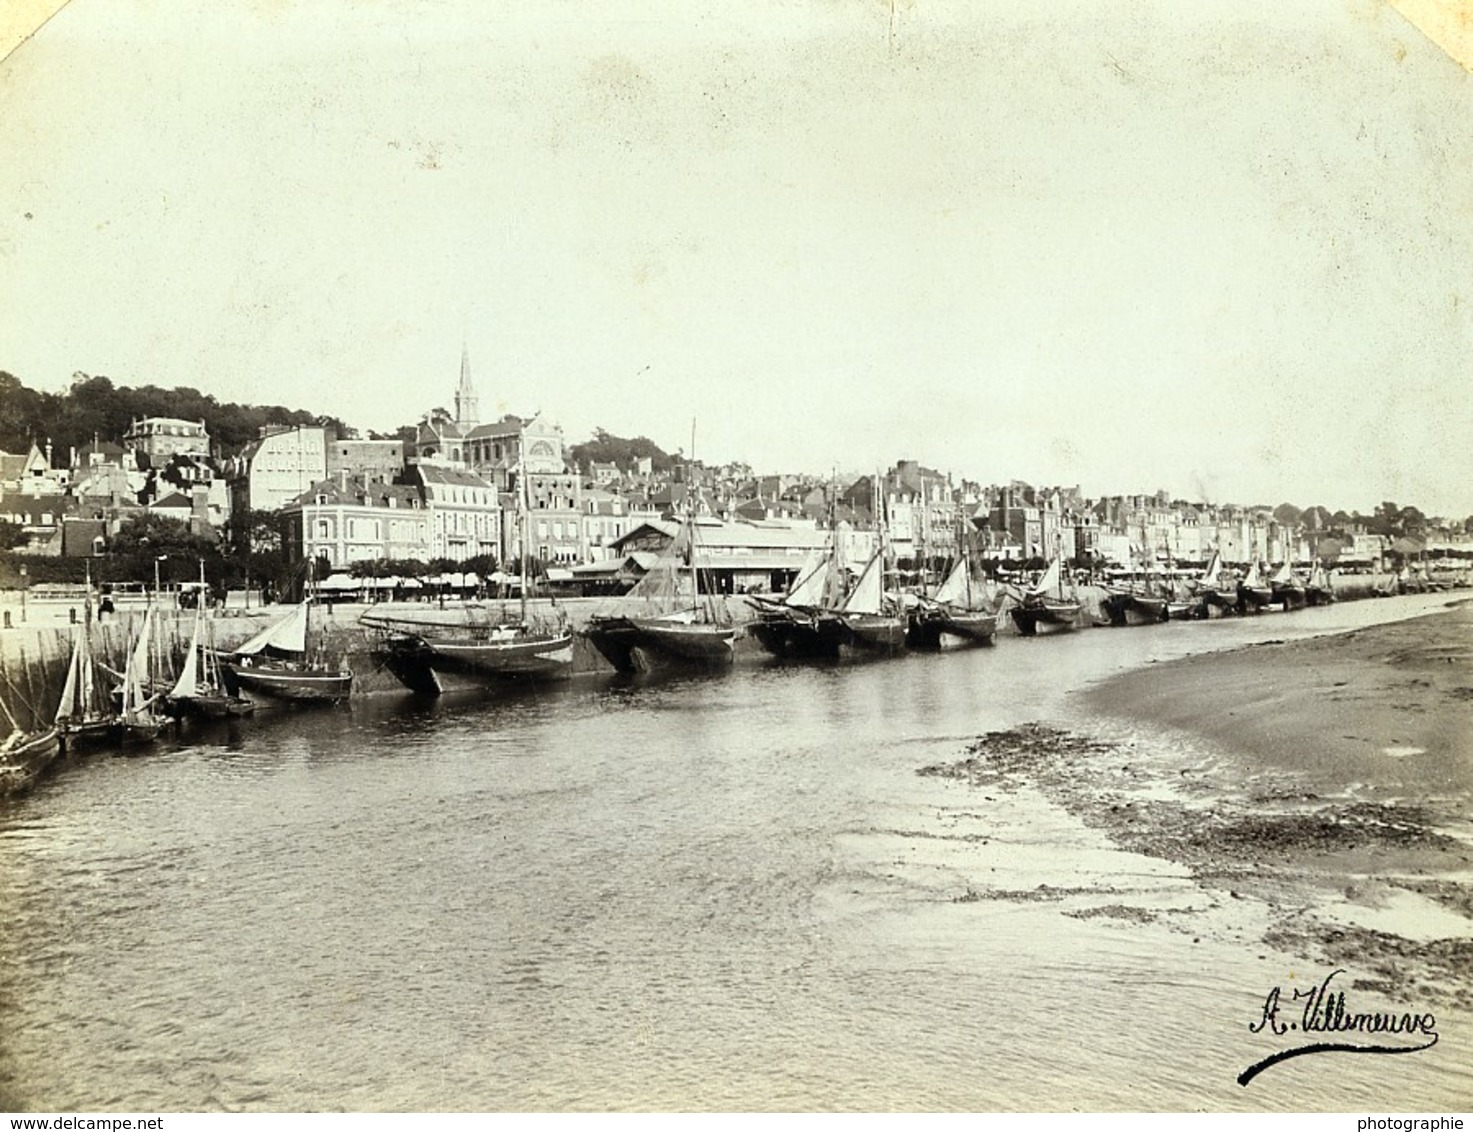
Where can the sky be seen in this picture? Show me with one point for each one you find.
(1224, 248)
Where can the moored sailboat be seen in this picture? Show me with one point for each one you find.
(434, 657)
(200, 690)
(83, 717)
(1254, 593)
(1047, 607)
(955, 609)
(138, 721)
(870, 621)
(1287, 589)
(664, 624)
(278, 663)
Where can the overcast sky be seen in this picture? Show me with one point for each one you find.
(1224, 248)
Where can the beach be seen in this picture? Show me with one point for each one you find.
(1328, 778)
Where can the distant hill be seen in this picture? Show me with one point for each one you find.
(94, 406)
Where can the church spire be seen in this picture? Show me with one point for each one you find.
(467, 410)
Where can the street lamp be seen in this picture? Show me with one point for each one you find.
(24, 585)
(156, 561)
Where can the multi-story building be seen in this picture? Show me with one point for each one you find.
(162, 437)
(464, 510)
(278, 467)
(351, 519)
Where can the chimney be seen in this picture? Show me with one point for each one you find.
(343, 479)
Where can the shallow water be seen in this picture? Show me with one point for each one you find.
(728, 892)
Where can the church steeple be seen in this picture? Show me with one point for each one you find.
(467, 408)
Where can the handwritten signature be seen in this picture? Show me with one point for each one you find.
(1325, 1013)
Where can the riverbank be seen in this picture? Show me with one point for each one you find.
(1329, 778)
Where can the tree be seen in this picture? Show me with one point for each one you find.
(11, 534)
(1287, 514)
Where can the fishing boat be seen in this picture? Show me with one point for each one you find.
(138, 721)
(1318, 589)
(802, 623)
(955, 610)
(435, 657)
(25, 752)
(278, 663)
(1048, 607)
(1287, 589)
(665, 623)
(1254, 594)
(871, 621)
(83, 717)
(1218, 595)
(200, 691)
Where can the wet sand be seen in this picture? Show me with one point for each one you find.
(1325, 782)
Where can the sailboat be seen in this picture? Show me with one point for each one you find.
(1253, 592)
(675, 629)
(1286, 588)
(1218, 596)
(1047, 607)
(870, 621)
(200, 690)
(278, 663)
(82, 715)
(955, 609)
(1318, 589)
(138, 722)
(801, 622)
(435, 657)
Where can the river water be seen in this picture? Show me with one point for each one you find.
(716, 893)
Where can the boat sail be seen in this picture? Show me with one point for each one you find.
(1219, 596)
(278, 662)
(1047, 607)
(675, 629)
(138, 722)
(1318, 589)
(435, 657)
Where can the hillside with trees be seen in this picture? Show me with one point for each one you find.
(95, 407)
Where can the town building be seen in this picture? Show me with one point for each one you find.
(350, 519)
(162, 437)
(272, 471)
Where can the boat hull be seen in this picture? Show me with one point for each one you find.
(434, 667)
(796, 635)
(86, 734)
(23, 759)
(1035, 618)
(928, 629)
(1290, 597)
(647, 644)
(1251, 599)
(296, 683)
(879, 633)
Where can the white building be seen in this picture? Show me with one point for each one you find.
(278, 467)
(162, 437)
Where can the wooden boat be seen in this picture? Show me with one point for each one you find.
(1318, 590)
(1216, 591)
(277, 663)
(138, 721)
(801, 623)
(83, 717)
(664, 624)
(434, 657)
(1286, 588)
(200, 691)
(952, 610)
(1254, 593)
(25, 753)
(869, 620)
(1047, 607)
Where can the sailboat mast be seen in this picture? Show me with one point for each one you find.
(526, 531)
(690, 521)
